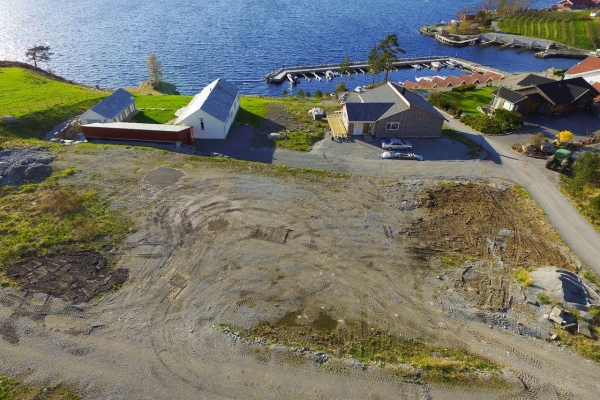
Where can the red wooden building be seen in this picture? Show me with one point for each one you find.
(141, 132)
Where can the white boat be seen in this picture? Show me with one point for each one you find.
(436, 64)
(292, 78)
(417, 67)
(317, 77)
(329, 75)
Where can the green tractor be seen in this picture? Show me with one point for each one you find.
(560, 161)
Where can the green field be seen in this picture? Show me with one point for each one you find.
(39, 103)
(576, 29)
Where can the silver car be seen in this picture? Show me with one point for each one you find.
(396, 144)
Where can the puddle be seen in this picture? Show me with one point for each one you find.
(163, 177)
(217, 224)
(289, 319)
(324, 322)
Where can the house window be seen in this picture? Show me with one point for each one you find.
(202, 123)
(392, 126)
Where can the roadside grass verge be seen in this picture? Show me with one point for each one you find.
(587, 348)
(474, 148)
(12, 389)
(37, 218)
(408, 358)
(573, 28)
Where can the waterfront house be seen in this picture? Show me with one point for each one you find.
(588, 69)
(390, 110)
(575, 4)
(212, 111)
(548, 97)
(118, 107)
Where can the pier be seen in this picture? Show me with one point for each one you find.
(280, 75)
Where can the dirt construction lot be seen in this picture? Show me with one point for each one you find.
(221, 248)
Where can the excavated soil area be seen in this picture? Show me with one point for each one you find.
(75, 277)
(224, 245)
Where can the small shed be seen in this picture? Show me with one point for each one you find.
(118, 107)
(140, 132)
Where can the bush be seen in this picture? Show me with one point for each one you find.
(537, 140)
(564, 136)
(464, 88)
(523, 276)
(509, 120)
(483, 124)
(300, 93)
(340, 87)
(586, 173)
(318, 94)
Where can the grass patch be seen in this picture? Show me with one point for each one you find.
(592, 277)
(544, 298)
(587, 348)
(158, 109)
(469, 100)
(522, 275)
(524, 193)
(474, 148)
(12, 389)
(375, 347)
(299, 141)
(38, 218)
(451, 261)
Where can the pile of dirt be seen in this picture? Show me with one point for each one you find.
(75, 277)
(19, 167)
(486, 223)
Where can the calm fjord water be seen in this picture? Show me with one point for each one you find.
(107, 42)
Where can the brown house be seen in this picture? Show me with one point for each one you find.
(389, 111)
(539, 95)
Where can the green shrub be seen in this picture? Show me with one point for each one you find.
(464, 88)
(300, 93)
(318, 94)
(544, 298)
(522, 276)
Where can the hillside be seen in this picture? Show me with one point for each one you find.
(39, 101)
(576, 29)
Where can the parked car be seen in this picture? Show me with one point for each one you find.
(396, 144)
(386, 155)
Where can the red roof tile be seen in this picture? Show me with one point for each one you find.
(589, 64)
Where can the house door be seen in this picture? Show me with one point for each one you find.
(366, 128)
(358, 128)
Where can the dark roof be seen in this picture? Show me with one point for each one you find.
(566, 91)
(366, 111)
(509, 95)
(215, 99)
(534, 80)
(112, 106)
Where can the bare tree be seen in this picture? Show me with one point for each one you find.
(155, 70)
(38, 53)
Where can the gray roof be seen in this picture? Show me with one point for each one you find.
(366, 111)
(390, 93)
(215, 99)
(509, 95)
(112, 106)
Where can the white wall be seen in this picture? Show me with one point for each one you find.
(591, 77)
(90, 117)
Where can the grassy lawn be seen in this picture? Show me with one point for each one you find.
(39, 103)
(451, 134)
(575, 29)
(303, 131)
(158, 109)
(471, 99)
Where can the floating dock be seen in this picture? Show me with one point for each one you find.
(280, 75)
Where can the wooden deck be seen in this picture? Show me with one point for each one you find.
(338, 130)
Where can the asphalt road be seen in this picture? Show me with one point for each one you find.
(444, 159)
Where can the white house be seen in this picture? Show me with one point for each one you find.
(588, 69)
(118, 107)
(212, 111)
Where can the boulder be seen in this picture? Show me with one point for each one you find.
(528, 148)
(548, 147)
